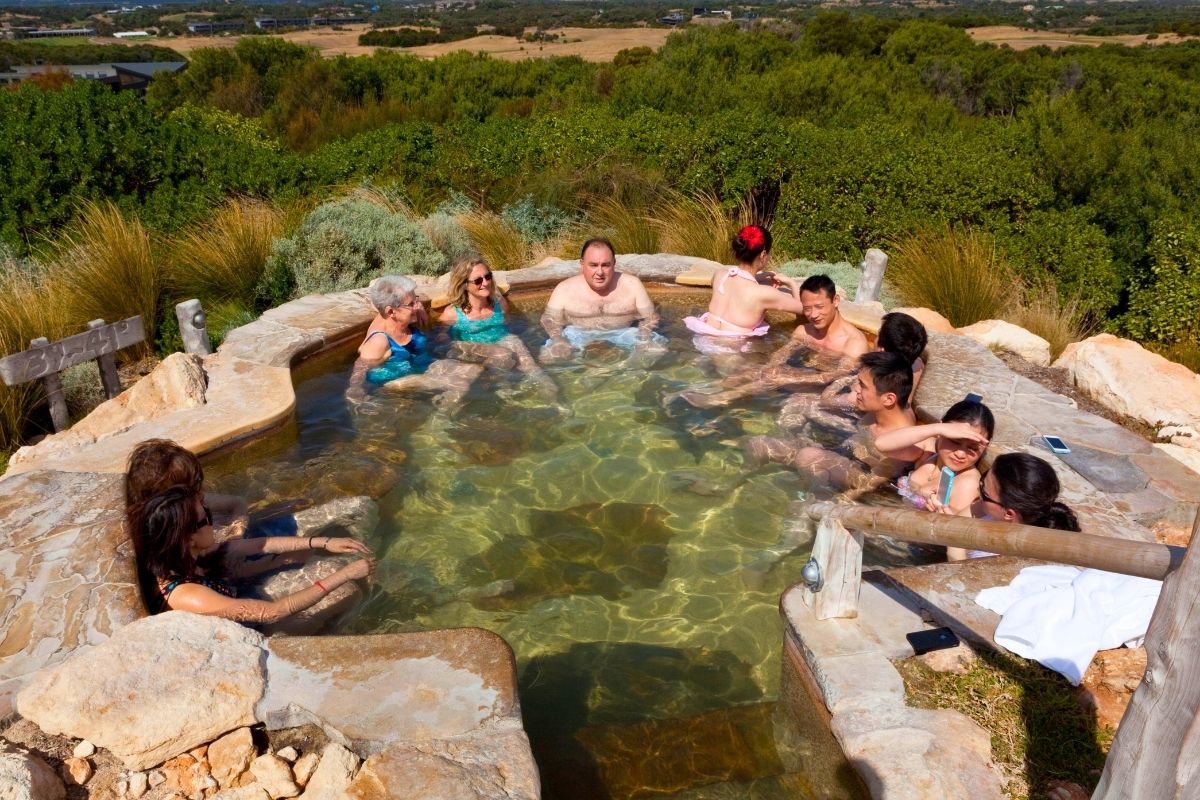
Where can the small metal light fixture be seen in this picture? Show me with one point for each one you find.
(812, 576)
(198, 319)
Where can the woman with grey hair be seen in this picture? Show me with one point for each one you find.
(394, 346)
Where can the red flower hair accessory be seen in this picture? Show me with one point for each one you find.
(752, 235)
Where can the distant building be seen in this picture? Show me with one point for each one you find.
(120, 76)
(204, 28)
(674, 18)
(52, 33)
(131, 34)
(269, 23)
(347, 20)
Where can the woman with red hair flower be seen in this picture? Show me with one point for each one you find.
(742, 295)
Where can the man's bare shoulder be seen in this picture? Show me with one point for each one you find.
(568, 287)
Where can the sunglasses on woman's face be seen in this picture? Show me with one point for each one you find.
(204, 521)
(484, 278)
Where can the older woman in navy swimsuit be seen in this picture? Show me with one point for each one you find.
(476, 316)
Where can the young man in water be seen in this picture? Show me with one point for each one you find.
(597, 304)
(881, 391)
(825, 329)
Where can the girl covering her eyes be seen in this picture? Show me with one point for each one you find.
(958, 442)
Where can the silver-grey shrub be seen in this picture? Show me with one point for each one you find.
(344, 244)
(447, 235)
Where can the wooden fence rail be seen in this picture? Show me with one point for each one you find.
(47, 359)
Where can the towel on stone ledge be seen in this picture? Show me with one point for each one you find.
(1060, 616)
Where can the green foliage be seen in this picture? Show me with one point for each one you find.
(535, 223)
(447, 235)
(346, 243)
(75, 52)
(1164, 308)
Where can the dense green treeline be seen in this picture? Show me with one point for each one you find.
(1083, 164)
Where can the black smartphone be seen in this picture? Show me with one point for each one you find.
(936, 639)
(973, 398)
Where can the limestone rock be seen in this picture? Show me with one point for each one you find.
(304, 767)
(332, 776)
(353, 517)
(932, 320)
(251, 792)
(84, 749)
(288, 754)
(275, 775)
(230, 756)
(24, 776)
(176, 383)
(321, 615)
(1005, 336)
(487, 765)
(1110, 681)
(77, 771)
(137, 693)
(1130, 380)
(139, 783)
(1188, 456)
(954, 660)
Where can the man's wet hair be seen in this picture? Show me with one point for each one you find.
(819, 283)
(598, 240)
(899, 333)
(890, 373)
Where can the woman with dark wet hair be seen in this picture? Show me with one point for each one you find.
(1023, 488)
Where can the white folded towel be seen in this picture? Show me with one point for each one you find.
(1060, 616)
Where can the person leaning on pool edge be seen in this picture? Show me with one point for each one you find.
(180, 565)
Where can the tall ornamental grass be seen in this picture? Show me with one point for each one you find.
(29, 308)
(630, 228)
(957, 272)
(1059, 322)
(104, 267)
(503, 245)
(222, 258)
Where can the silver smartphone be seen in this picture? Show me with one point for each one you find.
(1057, 445)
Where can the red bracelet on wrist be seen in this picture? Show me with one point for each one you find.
(321, 586)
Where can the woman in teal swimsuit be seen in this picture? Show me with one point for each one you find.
(476, 317)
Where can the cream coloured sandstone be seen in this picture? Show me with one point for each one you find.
(24, 776)
(997, 333)
(932, 320)
(137, 693)
(1130, 380)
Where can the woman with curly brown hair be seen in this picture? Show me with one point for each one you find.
(181, 566)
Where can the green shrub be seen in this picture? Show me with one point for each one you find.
(1166, 307)
(535, 222)
(447, 235)
(344, 244)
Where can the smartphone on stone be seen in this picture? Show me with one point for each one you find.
(973, 398)
(1057, 445)
(936, 639)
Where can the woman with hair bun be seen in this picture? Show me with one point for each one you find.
(1023, 488)
(743, 294)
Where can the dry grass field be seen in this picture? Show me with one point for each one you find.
(1021, 39)
(592, 44)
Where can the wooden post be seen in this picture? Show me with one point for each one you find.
(1157, 750)
(871, 284)
(839, 554)
(192, 328)
(54, 392)
(109, 377)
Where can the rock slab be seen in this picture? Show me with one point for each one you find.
(137, 694)
(1130, 380)
(24, 776)
(1013, 338)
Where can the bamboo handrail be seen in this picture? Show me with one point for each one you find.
(1124, 556)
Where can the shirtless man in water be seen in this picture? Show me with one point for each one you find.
(595, 303)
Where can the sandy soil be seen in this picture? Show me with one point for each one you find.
(1021, 39)
(592, 44)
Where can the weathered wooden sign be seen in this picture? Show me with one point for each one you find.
(57, 356)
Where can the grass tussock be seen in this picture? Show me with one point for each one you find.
(1040, 732)
(1059, 322)
(1186, 353)
(699, 226)
(958, 273)
(104, 267)
(631, 229)
(223, 258)
(28, 309)
(502, 245)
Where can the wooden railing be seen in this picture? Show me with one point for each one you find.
(1157, 745)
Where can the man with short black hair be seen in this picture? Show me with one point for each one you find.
(824, 328)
